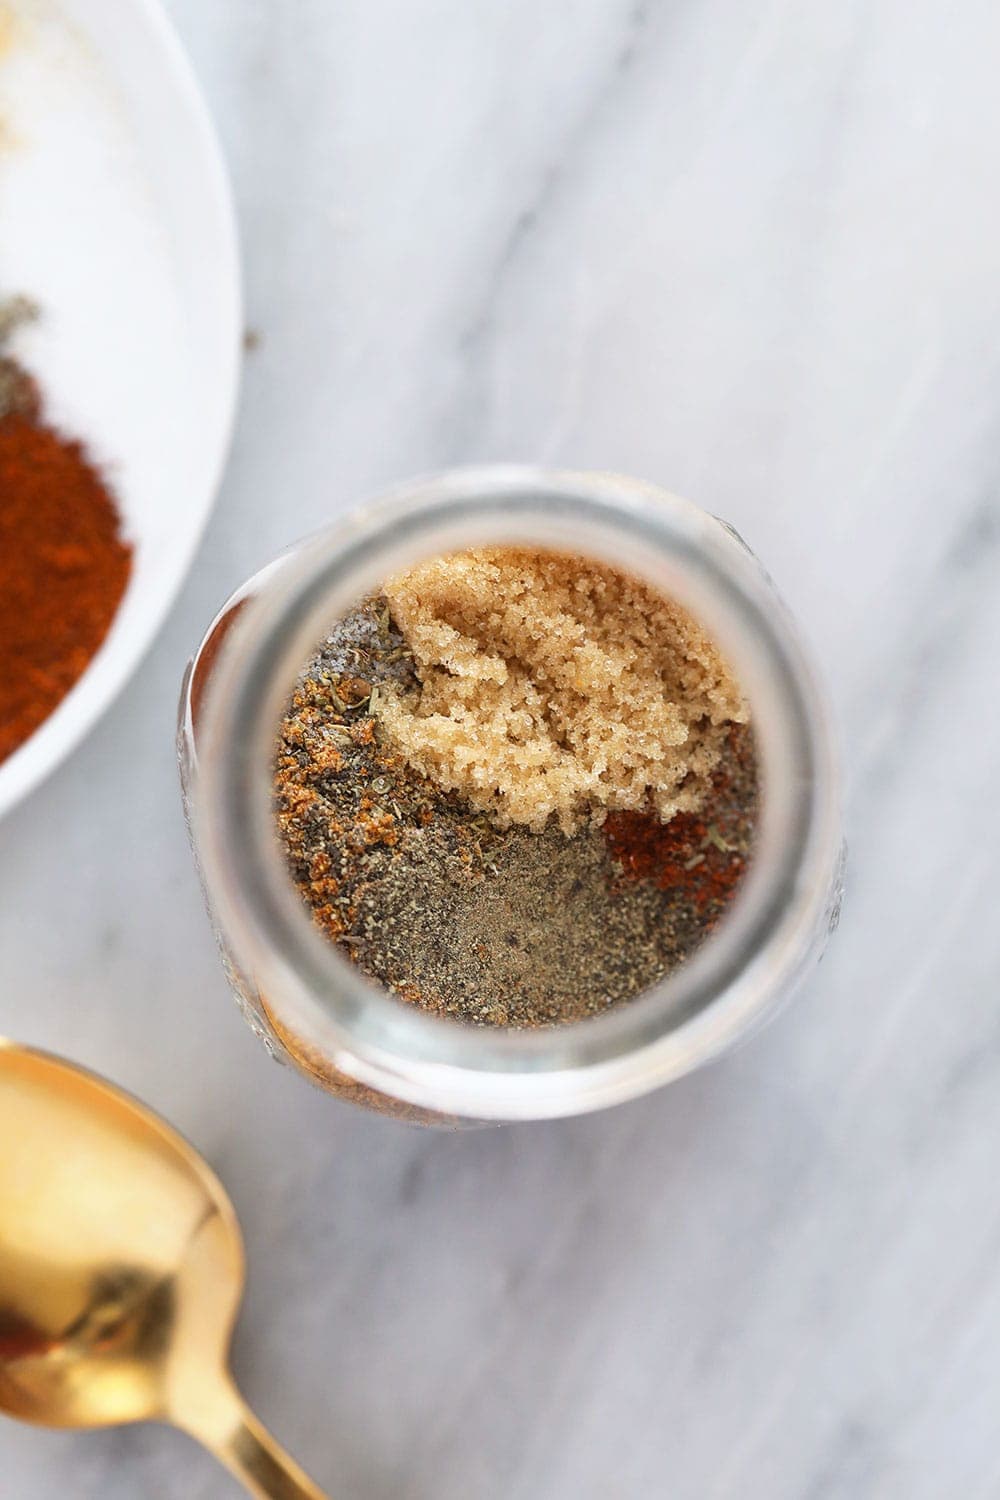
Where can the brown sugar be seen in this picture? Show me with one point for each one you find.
(550, 686)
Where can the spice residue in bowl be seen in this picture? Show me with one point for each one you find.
(64, 564)
(519, 812)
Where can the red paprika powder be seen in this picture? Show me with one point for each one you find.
(63, 562)
(702, 856)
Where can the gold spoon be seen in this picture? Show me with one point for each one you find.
(121, 1272)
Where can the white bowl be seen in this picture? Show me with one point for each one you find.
(117, 218)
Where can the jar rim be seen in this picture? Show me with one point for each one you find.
(733, 979)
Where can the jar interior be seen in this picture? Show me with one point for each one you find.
(516, 787)
(498, 1069)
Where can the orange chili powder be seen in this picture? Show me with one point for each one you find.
(63, 566)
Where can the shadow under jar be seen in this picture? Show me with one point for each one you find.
(304, 998)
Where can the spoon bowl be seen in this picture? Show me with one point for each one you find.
(121, 1272)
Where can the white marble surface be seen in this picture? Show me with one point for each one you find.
(751, 252)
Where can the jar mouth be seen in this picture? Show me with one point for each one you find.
(491, 1073)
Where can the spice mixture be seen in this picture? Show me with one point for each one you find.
(518, 925)
(63, 563)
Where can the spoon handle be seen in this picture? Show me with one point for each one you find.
(250, 1453)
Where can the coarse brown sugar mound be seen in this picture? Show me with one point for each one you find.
(553, 685)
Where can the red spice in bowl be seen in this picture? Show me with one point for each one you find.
(64, 565)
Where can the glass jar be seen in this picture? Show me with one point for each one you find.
(310, 1005)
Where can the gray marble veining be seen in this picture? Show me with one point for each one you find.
(751, 253)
